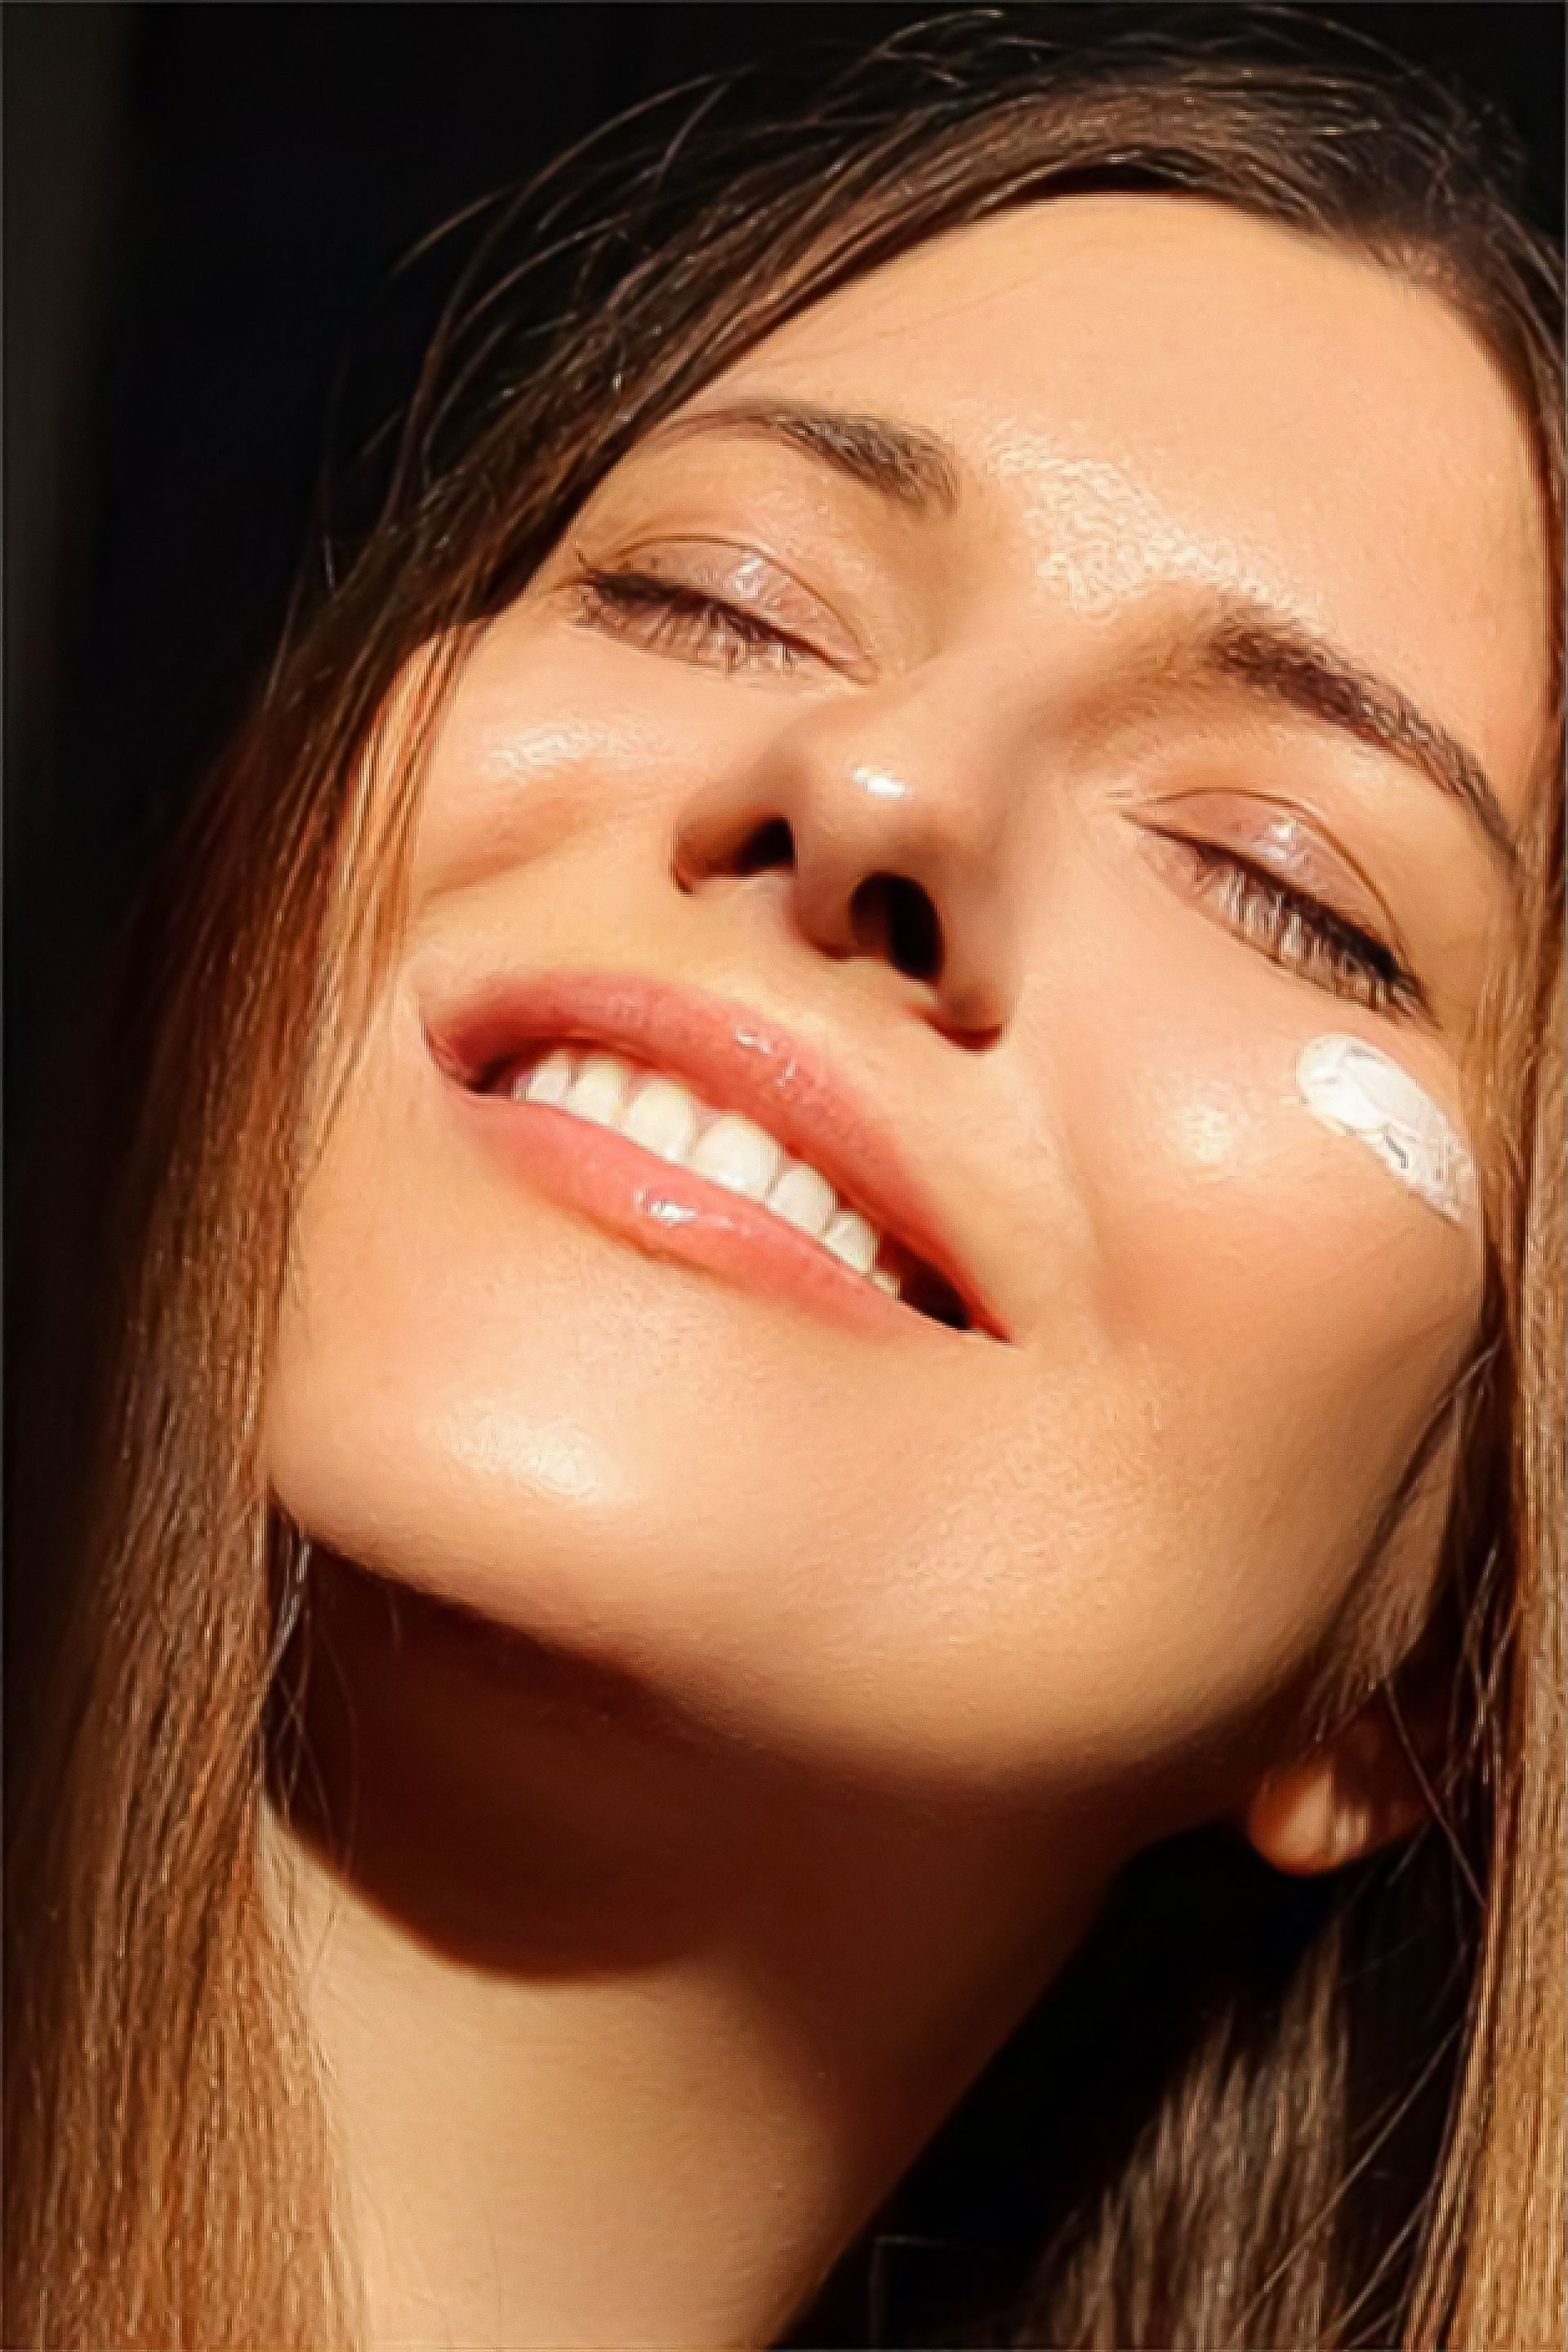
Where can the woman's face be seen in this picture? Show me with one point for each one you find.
(1052, 665)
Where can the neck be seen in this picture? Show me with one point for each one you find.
(626, 2029)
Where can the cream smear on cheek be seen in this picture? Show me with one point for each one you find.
(1354, 1090)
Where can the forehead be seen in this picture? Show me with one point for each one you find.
(1144, 389)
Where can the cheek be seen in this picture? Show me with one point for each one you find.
(1296, 1311)
(1216, 1192)
(1147, 1529)
(553, 740)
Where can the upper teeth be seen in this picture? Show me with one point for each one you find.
(667, 1120)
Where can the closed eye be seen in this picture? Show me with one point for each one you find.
(673, 617)
(1299, 931)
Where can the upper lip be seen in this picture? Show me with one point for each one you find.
(737, 1059)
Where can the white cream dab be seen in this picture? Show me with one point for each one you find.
(1355, 1090)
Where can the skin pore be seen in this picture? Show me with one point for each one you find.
(736, 1709)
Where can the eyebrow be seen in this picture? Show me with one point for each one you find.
(909, 467)
(1292, 666)
(1245, 641)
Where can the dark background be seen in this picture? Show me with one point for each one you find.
(205, 205)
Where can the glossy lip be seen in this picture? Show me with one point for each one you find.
(737, 1061)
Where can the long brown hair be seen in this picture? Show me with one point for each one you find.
(1344, 2144)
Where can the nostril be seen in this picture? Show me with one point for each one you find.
(770, 844)
(894, 917)
(696, 857)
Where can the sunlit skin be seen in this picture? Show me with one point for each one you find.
(822, 1671)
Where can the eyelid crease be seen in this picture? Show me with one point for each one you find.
(641, 555)
(1396, 991)
(1316, 836)
(655, 613)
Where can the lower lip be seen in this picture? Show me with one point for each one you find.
(670, 1213)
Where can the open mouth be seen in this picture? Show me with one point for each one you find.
(679, 1128)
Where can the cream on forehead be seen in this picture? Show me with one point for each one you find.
(1354, 1089)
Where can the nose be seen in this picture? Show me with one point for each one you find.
(889, 812)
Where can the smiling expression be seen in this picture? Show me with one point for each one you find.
(1027, 700)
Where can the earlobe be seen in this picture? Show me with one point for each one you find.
(1341, 1800)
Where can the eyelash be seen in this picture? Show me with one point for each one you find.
(671, 616)
(1300, 934)
(1294, 930)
